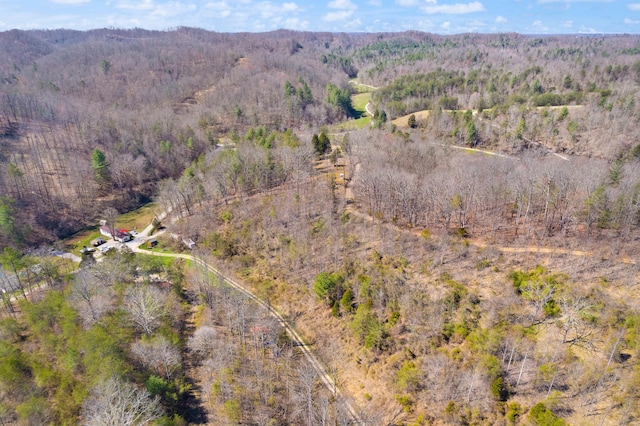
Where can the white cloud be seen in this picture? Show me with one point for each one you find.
(538, 27)
(631, 21)
(119, 21)
(290, 7)
(354, 25)
(501, 20)
(474, 25)
(268, 10)
(171, 9)
(296, 23)
(345, 8)
(445, 25)
(425, 24)
(453, 9)
(635, 7)
(140, 5)
(338, 16)
(589, 30)
(70, 1)
(567, 24)
(375, 2)
(342, 5)
(407, 3)
(221, 9)
(573, 1)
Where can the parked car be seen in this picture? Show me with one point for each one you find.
(134, 233)
(86, 250)
(98, 242)
(105, 249)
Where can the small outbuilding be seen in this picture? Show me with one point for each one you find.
(189, 243)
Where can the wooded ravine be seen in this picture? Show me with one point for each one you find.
(467, 255)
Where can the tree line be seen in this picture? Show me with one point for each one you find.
(418, 183)
(79, 92)
(425, 324)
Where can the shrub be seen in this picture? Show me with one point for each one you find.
(329, 287)
(564, 113)
(499, 390)
(368, 328)
(541, 415)
(405, 401)
(412, 121)
(484, 263)
(233, 410)
(408, 378)
(347, 300)
(514, 411)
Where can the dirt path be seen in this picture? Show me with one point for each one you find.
(422, 115)
(481, 244)
(366, 107)
(293, 334)
(368, 86)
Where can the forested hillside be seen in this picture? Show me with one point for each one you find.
(96, 119)
(468, 257)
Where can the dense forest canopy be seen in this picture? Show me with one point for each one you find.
(145, 98)
(411, 249)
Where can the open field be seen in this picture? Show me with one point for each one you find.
(361, 88)
(404, 120)
(359, 123)
(77, 241)
(134, 220)
(360, 102)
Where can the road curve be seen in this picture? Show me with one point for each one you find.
(293, 334)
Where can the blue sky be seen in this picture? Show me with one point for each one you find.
(437, 16)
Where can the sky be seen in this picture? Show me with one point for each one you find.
(435, 16)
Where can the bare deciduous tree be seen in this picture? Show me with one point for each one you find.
(93, 299)
(111, 215)
(146, 306)
(116, 402)
(158, 354)
(203, 341)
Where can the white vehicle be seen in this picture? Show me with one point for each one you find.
(134, 233)
(105, 249)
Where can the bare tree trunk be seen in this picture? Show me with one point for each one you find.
(522, 367)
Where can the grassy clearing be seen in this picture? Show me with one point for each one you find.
(355, 87)
(80, 239)
(135, 220)
(356, 124)
(166, 262)
(165, 244)
(360, 102)
(138, 219)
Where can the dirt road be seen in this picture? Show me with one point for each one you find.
(293, 334)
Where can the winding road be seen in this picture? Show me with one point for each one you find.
(326, 378)
(368, 86)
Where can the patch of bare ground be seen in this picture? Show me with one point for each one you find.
(404, 120)
(195, 99)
